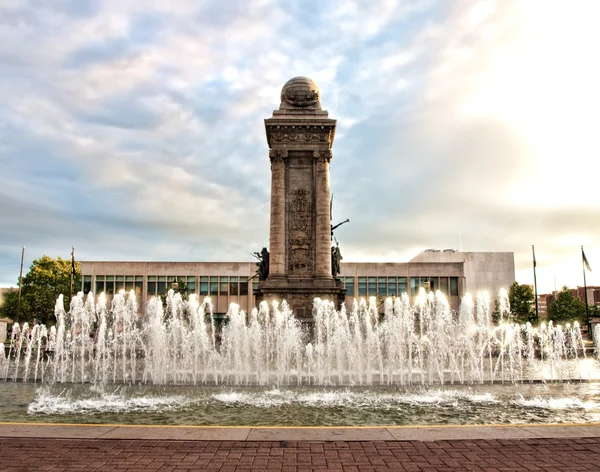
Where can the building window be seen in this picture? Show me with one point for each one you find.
(151, 287)
(382, 286)
(161, 286)
(190, 283)
(433, 284)
(129, 283)
(109, 286)
(119, 283)
(243, 285)
(99, 284)
(414, 286)
(349, 284)
(224, 288)
(454, 286)
(137, 286)
(233, 286)
(444, 285)
(87, 284)
(254, 285)
(372, 286)
(204, 285)
(391, 286)
(214, 286)
(362, 286)
(401, 285)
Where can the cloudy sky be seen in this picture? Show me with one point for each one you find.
(134, 130)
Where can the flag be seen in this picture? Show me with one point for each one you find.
(585, 261)
(533, 251)
(73, 271)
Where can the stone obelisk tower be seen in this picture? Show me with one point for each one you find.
(300, 135)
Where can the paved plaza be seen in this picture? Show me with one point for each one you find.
(125, 448)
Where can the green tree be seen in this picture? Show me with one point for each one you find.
(496, 312)
(180, 286)
(46, 280)
(10, 305)
(521, 299)
(566, 308)
(594, 311)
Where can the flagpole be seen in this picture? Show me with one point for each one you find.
(587, 309)
(20, 284)
(537, 313)
(72, 269)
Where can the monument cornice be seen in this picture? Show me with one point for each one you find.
(305, 134)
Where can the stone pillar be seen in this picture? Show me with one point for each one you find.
(300, 136)
(323, 217)
(277, 229)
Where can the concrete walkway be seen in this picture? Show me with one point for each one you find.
(33, 447)
(241, 433)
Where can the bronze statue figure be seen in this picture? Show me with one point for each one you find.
(262, 264)
(336, 259)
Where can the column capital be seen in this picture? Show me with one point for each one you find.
(323, 156)
(277, 155)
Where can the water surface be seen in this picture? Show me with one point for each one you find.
(303, 406)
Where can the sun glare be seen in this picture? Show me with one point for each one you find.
(542, 81)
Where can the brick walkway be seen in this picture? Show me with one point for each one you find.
(548, 455)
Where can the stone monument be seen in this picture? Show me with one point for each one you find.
(300, 135)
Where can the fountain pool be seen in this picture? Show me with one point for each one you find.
(411, 364)
(306, 406)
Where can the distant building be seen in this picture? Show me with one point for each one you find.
(542, 305)
(593, 298)
(452, 272)
(593, 295)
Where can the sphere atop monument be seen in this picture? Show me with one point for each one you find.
(300, 92)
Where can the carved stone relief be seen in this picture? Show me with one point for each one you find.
(292, 135)
(300, 241)
(299, 97)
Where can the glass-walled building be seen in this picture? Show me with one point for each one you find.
(454, 273)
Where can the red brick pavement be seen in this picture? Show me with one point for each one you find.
(549, 455)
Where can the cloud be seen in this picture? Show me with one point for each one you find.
(136, 131)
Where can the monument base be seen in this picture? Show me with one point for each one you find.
(300, 293)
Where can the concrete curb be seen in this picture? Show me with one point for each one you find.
(247, 433)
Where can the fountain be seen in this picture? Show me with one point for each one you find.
(421, 344)
(403, 363)
(101, 362)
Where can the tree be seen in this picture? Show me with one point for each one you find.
(180, 286)
(566, 308)
(496, 312)
(46, 280)
(594, 311)
(10, 305)
(521, 298)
